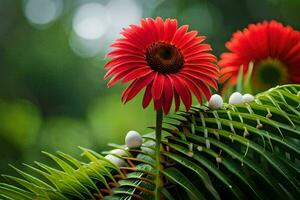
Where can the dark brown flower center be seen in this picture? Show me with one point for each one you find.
(164, 58)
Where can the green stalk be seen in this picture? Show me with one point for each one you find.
(159, 118)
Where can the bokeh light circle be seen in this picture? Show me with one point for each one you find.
(41, 12)
(123, 13)
(91, 20)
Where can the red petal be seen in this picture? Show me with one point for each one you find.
(170, 29)
(125, 44)
(196, 50)
(137, 73)
(187, 38)
(179, 34)
(193, 87)
(205, 71)
(206, 79)
(131, 37)
(225, 77)
(158, 86)
(194, 43)
(201, 57)
(152, 28)
(168, 95)
(177, 101)
(205, 65)
(136, 86)
(160, 27)
(120, 68)
(204, 88)
(138, 33)
(147, 96)
(117, 77)
(124, 60)
(125, 51)
(182, 91)
(147, 33)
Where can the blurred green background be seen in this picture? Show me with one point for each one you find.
(52, 94)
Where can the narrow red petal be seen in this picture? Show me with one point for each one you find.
(170, 29)
(182, 91)
(124, 60)
(133, 89)
(158, 86)
(137, 73)
(193, 87)
(125, 44)
(147, 34)
(187, 38)
(199, 70)
(129, 35)
(147, 96)
(179, 33)
(152, 27)
(160, 27)
(168, 95)
(194, 43)
(204, 88)
(209, 80)
(127, 51)
(117, 77)
(120, 68)
(188, 52)
(177, 101)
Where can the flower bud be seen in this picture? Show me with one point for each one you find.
(133, 139)
(116, 160)
(215, 102)
(235, 98)
(247, 98)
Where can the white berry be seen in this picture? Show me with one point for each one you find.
(133, 139)
(119, 152)
(235, 98)
(215, 102)
(248, 98)
(116, 160)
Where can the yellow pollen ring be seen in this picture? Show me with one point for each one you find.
(268, 73)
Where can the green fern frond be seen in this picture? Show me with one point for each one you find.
(248, 143)
(244, 151)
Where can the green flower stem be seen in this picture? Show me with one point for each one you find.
(159, 118)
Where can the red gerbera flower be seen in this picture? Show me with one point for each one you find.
(274, 50)
(170, 62)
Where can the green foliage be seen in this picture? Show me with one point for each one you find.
(245, 151)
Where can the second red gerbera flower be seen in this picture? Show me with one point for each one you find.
(170, 62)
(274, 49)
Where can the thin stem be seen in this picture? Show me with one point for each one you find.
(159, 117)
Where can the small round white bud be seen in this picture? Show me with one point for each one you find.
(133, 139)
(236, 98)
(247, 98)
(215, 102)
(119, 152)
(116, 160)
